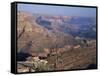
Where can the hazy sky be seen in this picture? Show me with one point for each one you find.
(58, 10)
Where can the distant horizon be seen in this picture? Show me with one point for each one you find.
(54, 15)
(57, 10)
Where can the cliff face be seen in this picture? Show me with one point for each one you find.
(30, 30)
(76, 26)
